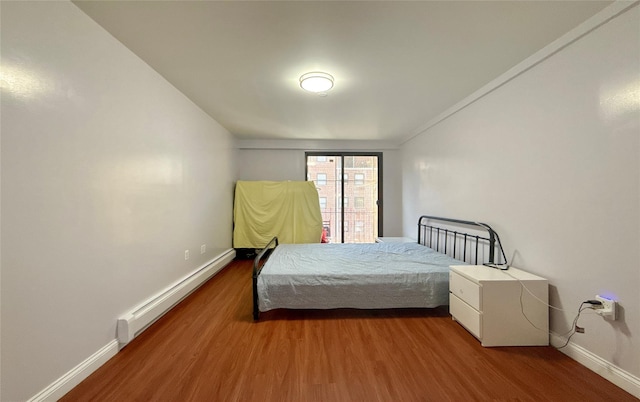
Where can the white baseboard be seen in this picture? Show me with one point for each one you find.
(609, 371)
(75, 376)
(142, 316)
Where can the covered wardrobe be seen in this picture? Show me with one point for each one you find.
(289, 210)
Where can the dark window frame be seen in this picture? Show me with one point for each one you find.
(342, 155)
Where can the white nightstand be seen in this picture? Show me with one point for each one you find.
(486, 301)
(394, 240)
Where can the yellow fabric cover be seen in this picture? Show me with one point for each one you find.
(287, 209)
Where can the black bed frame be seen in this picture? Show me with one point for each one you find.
(433, 234)
(439, 238)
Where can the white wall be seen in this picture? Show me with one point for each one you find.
(284, 160)
(108, 175)
(551, 160)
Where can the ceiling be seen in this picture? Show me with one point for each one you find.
(396, 64)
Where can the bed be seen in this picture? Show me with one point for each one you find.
(372, 275)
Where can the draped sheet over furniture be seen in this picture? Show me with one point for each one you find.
(287, 209)
(371, 276)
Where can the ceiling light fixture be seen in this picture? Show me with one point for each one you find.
(316, 82)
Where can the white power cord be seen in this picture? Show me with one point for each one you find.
(573, 329)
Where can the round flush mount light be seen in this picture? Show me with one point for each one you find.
(316, 82)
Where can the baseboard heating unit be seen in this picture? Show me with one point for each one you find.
(142, 316)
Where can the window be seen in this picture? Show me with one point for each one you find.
(323, 202)
(340, 177)
(359, 226)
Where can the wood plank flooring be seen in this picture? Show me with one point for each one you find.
(209, 349)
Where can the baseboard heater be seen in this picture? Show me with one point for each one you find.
(142, 316)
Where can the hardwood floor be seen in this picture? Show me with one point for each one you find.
(209, 349)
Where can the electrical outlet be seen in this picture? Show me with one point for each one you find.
(186, 255)
(203, 249)
(608, 308)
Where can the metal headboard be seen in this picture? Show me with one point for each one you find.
(439, 238)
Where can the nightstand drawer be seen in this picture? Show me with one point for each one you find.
(491, 304)
(466, 290)
(463, 313)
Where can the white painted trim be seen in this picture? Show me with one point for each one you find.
(187, 285)
(600, 366)
(76, 375)
(139, 318)
(317, 145)
(554, 47)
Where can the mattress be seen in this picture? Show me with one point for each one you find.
(364, 276)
